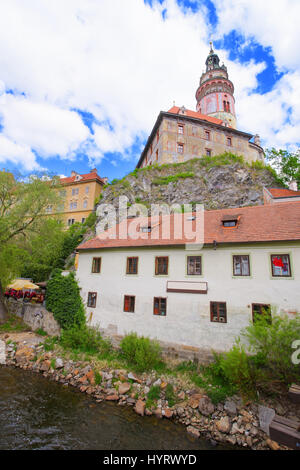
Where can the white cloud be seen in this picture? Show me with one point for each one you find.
(46, 128)
(16, 154)
(122, 62)
(272, 23)
(274, 115)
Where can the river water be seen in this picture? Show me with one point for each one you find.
(36, 413)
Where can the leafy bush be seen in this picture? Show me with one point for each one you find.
(84, 339)
(236, 367)
(64, 301)
(172, 178)
(143, 353)
(272, 345)
(170, 396)
(213, 380)
(91, 220)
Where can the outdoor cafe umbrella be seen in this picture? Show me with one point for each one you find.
(21, 284)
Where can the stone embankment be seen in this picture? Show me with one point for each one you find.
(232, 422)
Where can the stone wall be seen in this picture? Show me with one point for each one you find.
(169, 350)
(35, 316)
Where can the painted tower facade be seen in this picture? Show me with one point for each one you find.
(215, 92)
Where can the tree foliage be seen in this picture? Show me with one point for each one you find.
(64, 301)
(287, 164)
(23, 207)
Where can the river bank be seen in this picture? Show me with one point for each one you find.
(231, 422)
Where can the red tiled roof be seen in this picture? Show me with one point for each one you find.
(87, 177)
(278, 222)
(279, 192)
(195, 114)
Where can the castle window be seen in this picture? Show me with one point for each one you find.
(71, 221)
(194, 130)
(229, 141)
(208, 152)
(161, 265)
(180, 148)
(241, 265)
(156, 155)
(207, 135)
(226, 106)
(194, 265)
(92, 299)
(218, 312)
(87, 189)
(281, 266)
(132, 265)
(160, 306)
(129, 303)
(96, 265)
(75, 191)
(85, 203)
(259, 310)
(180, 129)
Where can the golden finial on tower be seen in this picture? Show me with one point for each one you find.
(211, 47)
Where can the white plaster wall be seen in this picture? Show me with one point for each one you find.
(188, 315)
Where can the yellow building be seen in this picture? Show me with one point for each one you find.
(79, 193)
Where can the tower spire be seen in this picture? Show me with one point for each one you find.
(215, 92)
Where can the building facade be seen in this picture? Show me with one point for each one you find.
(276, 195)
(199, 299)
(181, 134)
(79, 193)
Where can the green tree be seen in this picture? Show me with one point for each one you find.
(23, 205)
(43, 250)
(64, 300)
(287, 164)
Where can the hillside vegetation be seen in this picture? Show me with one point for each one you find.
(217, 182)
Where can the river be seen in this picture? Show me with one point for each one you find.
(36, 413)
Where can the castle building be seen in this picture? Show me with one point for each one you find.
(78, 193)
(181, 134)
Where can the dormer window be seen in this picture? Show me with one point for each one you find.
(230, 221)
(146, 229)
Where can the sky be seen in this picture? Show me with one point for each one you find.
(83, 81)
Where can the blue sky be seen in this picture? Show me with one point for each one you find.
(82, 82)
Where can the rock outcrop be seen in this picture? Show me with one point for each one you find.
(218, 182)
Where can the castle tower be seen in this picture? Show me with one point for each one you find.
(215, 92)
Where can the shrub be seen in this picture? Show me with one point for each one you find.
(84, 339)
(169, 394)
(272, 345)
(143, 353)
(237, 369)
(91, 220)
(214, 381)
(64, 301)
(172, 178)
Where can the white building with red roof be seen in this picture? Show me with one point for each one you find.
(193, 290)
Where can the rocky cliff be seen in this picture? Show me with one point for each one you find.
(217, 182)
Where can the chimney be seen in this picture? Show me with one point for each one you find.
(293, 185)
(257, 139)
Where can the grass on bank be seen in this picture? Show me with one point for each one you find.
(14, 324)
(268, 368)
